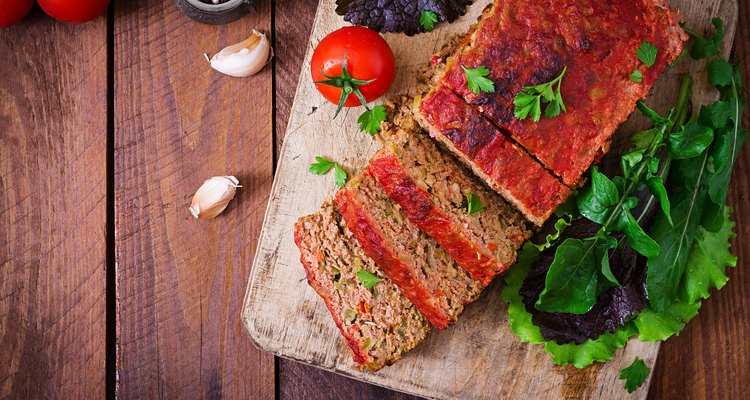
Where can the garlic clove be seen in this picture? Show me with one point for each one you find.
(245, 58)
(213, 196)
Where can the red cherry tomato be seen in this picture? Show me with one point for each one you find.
(74, 11)
(12, 11)
(368, 57)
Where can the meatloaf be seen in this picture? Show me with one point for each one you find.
(500, 162)
(425, 272)
(379, 323)
(529, 42)
(433, 190)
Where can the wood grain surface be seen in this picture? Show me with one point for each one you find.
(53, 137)
(180, 281)
(715, 364)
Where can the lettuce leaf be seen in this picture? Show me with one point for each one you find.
(705, 269)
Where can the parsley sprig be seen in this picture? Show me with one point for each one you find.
(635, 375)
(368, 278)
(370, 120)
(323, 165)
(428, 20)
(646, 53)
(474, 204)
(529, 101)
(476, 79)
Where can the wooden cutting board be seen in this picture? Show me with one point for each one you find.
(479, 357)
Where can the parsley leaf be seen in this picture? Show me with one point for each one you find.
(370, 120)
(647, 53)
(474, 204)
(368, 278)
(323, 165)
(529, 101)
(428, 19)
(339, 175)
(635, 375)
(475, 79)
(636, 76)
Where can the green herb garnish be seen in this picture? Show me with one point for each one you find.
(370, 120)
(475, 79)
(428, 19)
(323, 165)
(636, 76)
(647, 53)
(368, 278)
(474, 205)
(689, 176)
(529, 101)
(635, 375)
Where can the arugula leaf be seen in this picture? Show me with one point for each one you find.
(322, 166)
(428, 19)
(474, 205)
(596, 200)
(647, 53)
(656, 187)
(475, 79)
(636, 76)
(339, 175)
(572, 284)
(635, 375)
(715, 115)
(529, 101)
(370, 120)
(691, 141)
(704, 47)
(368, 278)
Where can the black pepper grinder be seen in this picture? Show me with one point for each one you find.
(215, 12)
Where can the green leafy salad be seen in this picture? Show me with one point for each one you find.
(635, 254)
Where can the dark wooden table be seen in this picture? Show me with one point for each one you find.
(107, 284)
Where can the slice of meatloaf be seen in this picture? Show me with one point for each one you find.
(505, 167)
(425, 272)
(529, 42)
(379, 324)
(433, 190)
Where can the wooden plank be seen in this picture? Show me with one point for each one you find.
(285, 317)
(180, 281)
(712, 350)
(53, 147)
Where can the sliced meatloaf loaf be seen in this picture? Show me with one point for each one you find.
(530, 42)
(424, 271)
(433, 191)
(501, 163)
(379, 323)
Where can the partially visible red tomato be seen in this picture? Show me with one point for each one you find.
(74, 11)
(368, 57)
(12, 11)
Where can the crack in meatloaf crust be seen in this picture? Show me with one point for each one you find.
(379, 324)
(425, 272)
(501, 163)
(529, 42)
(433, 189)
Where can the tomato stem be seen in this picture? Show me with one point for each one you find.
(348, 85)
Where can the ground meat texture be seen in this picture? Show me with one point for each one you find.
(398, 15)
(425, 272)
(432, 190)
(379, 324)
(502, 164)
(529, 42)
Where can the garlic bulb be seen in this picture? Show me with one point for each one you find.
(213, 196)
(245, 58)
